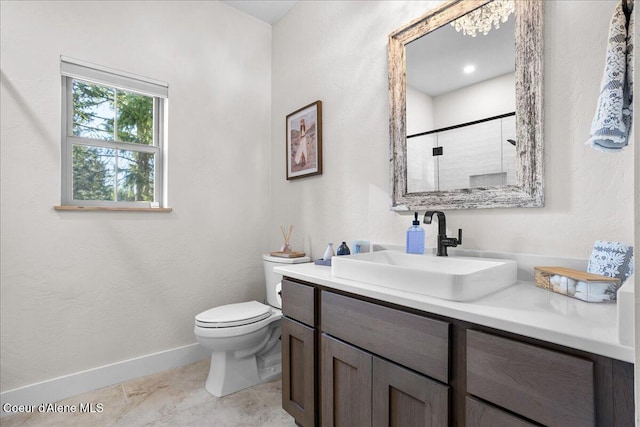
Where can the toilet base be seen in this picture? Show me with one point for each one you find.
(228, 374)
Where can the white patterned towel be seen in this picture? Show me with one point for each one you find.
(611, 124)
(611, 259)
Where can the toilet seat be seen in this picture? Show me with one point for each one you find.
(233, 315)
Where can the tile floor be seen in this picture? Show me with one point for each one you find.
(172, 398)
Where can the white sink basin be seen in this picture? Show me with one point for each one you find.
(451, 278)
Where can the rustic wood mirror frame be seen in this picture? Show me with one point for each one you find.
(529, 190)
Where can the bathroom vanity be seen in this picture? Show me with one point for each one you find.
(355, 354)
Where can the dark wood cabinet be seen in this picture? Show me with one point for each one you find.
(346, 384)
(480, 414)
(354, 361)
(404, 398)
(549, 387)
(354, 334)
(360, 390)
(417, 342)
(298, 371)
(300, 353)
(299, 302)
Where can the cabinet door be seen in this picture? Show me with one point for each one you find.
(346, 385)
(298, 372)
(403, 398)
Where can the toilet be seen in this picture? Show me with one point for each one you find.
(244, 338)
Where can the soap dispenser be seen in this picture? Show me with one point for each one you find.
(415, 237)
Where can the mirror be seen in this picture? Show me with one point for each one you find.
(474, 143)
(460, 100)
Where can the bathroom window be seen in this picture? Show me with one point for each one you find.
(113, 137)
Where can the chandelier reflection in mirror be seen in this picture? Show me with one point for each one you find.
(484, 18)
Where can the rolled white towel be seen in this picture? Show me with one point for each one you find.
(564, 285)
(598, 288)
(582, 288)
(592, 291)
(592, 297)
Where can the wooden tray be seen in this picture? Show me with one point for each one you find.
(593, 287)
(542, 275)
(291, 254)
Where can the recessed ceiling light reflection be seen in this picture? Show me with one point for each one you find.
(469, 69)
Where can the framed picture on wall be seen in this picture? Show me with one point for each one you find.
(304, 141)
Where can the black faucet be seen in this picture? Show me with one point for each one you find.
(443, 241)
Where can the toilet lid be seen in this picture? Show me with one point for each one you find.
(233, 315)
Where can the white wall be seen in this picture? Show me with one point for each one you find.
(636, 130)
(340, 54)
(484, 99)
(81, 290)
(419, 111)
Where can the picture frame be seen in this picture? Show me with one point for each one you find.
(304, 141)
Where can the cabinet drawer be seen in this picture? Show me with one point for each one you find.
(298, 302)
(417, 342)
(479, 414)
(546, 386)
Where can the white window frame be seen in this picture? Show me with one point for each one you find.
(73, 69)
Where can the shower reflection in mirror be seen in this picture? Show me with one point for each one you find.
(470, 155)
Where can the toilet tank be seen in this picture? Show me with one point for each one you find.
(272, 279)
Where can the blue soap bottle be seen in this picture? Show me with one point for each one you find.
(415, 237)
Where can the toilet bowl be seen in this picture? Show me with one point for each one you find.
(244, 338)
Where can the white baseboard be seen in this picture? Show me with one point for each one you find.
(60, 388)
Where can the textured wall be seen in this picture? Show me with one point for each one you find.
(636, 129)
(336, 52)
(81, 289)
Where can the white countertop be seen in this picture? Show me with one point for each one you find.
(521, 309)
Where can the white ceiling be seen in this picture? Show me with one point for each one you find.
(265, 10)
(435, 61)
(443, 53)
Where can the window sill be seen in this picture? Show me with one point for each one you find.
(107, 208)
